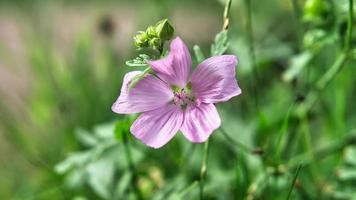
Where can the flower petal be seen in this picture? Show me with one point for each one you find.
(175, 68)
(200, 122)
(148, 94)
(214, 79)
(155, 128)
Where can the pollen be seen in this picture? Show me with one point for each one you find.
(183, 97)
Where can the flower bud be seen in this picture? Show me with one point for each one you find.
(164, 30)
(155, 43)
(141, 39)
(151, 32)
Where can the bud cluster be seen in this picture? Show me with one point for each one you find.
(154, 36)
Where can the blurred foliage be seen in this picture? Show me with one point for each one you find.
(63, 141)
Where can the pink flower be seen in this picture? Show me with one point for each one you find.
(175, 99)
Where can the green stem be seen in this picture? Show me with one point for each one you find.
(283, 133)
(293, 182)
(187, 190)
(131, 167)
(203, 170)
(308, 145)
(235, 142)
(314, 95)
(323, 152)
(252, 52)
(226, 15)
(297, 15)
(350, 21)
(340, 61)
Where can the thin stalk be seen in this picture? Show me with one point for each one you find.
(226, 15)
(323, 152)
(283, 133)
(350, 21)
(293, 182)
(297, 16)
(187, 190)
(313, 96)
(308, 144)
(203, 170)
(235, 142)
(252, 51)
(131, 167)
(337, 66)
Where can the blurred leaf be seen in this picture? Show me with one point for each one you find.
(76, 178)
(345, 174)
(85, 138)
(72, 161)
(220, 44)
(123, 184)
(139, 61)
(350, 156)
(105, 131)
(297, 64)
(101, 176)
(199, 55)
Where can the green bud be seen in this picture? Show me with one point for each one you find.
(164, 30)
(141, 39)
(155, 43)
(316, 10)
(151, 32)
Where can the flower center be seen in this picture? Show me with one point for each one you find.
(183, 97)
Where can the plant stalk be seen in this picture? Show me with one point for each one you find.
(203, 170)
(134, 179)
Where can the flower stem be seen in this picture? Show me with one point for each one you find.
(339, 63)
(249, 28)
(293, 182)
(348, 38)
(234, 142)
(203, 170)
(226, 15)
(131, 167)
(297, 16)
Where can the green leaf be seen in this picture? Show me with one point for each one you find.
(101, 176)
(348, 173)
(139, 61)
(220, 44)
(123, 184)
(199, 55)
(85, 138)
(350, 156)
(73, 160)
(105, 131)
